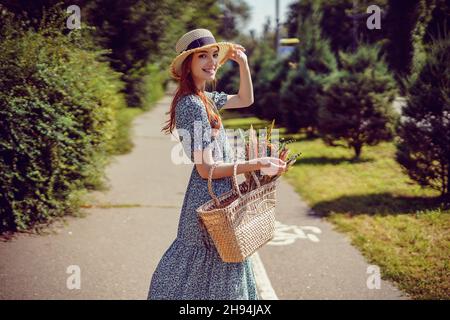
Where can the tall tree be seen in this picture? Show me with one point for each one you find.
(440, 21)
(400, 22)
(343, 21)
(235, 14)
(304, 83)
(424, 14)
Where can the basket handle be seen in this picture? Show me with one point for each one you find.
(234, 179)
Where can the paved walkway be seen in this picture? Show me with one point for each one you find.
(120, 241)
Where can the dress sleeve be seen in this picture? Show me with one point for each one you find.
(219, 98)
(192, 125)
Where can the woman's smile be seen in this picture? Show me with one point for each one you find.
(210, 71)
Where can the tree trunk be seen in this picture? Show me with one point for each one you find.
(357, 148)
(310, 133)
(446, 189)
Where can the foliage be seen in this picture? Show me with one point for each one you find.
(357, 104)
(57, 116)
(305, 83)
(424, 144)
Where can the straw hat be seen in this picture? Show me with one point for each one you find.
(194, 41)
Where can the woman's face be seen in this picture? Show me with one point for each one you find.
(204, 64)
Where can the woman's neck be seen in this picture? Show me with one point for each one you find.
(200, 84)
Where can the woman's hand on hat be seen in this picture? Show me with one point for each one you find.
(237, 54)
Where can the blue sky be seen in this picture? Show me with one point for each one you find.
(260, 9)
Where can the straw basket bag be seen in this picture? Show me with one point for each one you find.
(239, 223)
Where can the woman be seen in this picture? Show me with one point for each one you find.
(191, 268)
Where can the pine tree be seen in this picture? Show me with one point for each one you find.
(400, 22)
(268, 73)
(357, 105)
(299, 103)
(268, 87)
(424, 145)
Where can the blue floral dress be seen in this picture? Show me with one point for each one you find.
(191, 267)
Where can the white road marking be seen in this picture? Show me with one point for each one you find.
(285, 234)
(266, 291)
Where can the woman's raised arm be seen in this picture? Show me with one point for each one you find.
(244, 98)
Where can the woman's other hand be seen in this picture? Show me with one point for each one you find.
(272, 166)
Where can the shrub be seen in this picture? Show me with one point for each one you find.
(424, 133)
(57, 116)
(357, 104)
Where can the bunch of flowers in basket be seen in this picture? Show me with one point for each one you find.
(265, 146)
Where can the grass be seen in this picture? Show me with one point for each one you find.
(395, 223)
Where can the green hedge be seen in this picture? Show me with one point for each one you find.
(146, 85)
(58, 104)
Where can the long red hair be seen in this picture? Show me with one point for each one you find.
(186, 86)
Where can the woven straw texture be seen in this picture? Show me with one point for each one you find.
(187, 38)
(240, 223)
